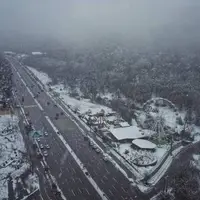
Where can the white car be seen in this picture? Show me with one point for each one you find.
(47, 146)
(97, 150)
(91, 143)
(45, 153)
(41, 146)
(45, 133)
(105, 158)
(38, 139)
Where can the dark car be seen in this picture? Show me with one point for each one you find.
(39, 155)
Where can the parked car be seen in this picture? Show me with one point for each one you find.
(97, 150)
(45, 133)
(94, 146)
(46, 169)
(91, 143)
(105, 158)
(41, 146)
(45, 153)
(47, 146)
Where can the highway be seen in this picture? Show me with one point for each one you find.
(63, 167)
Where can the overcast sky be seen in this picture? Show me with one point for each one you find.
(89, 19)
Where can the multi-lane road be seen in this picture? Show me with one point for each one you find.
(104, 181)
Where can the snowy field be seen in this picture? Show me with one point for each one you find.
(131, 155)
(83, 105)
(13, 158)
(43, 77)
(143, 156)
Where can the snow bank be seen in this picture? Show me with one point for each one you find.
(43, 77)
(37, 53)
(83, 105)
(11, 148)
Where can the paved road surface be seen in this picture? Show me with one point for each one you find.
(70, 178)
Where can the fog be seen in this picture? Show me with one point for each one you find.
(90, 20)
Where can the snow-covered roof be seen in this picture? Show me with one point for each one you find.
(124, 124)
(144, 144)
(36, 53)
(131, 132)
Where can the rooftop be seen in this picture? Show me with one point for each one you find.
(131, 132)
(144, 144)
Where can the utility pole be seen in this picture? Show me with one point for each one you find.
(171, 144)
(165, 187)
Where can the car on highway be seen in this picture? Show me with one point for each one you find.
(57, 115)
(17, 106)
(47, 146)
(45, 153)
(36, 96)
(97, 150)
(58, 132)
(86, 138)
(41, 146)
(105, 158)
(39, 155)
(27, 113)
(46, 169)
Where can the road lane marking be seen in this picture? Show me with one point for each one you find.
(80, 164)
(30, 106)
(36, 101)
(114, 187)
(50, 176)
(51, 123)
(115, 180)
(73, 192)
(111, 192)
(102, 181)
(87, 191)
(80, 190)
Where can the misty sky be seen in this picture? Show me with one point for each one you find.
(87, 19)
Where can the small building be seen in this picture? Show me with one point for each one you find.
(143, 144)
(127, 134)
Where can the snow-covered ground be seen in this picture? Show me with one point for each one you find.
(83, 105)
(13, 160)
(37, 53)
(148, 157)
(43, 77)
(169, 113)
